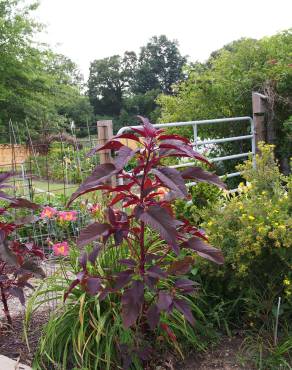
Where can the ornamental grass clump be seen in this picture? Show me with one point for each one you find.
(150, 250)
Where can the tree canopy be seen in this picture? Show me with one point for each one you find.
(36, 85)
(222, 87)
(124, 86)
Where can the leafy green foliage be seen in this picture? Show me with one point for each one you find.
(203, 197)
(160, 66)
(36, 85)
(123, 86)
(253, 229)
(227, 80)
(62, 164)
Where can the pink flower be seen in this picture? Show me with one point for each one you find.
(61, 249)
(68, 216)
(95, 208)
(48, 212)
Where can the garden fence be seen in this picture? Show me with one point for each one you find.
(197, 143)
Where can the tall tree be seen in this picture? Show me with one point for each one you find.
(160, 65)
(109, 79)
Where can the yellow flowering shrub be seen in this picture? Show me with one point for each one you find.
(254, 230)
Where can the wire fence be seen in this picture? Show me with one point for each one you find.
(47, 168)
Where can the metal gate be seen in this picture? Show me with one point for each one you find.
(197, 143)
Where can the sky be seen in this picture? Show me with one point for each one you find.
(85, 30)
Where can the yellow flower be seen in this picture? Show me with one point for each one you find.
(251, 218)
(286, 282)
(210, 223)
(282, 227)
(264, 192)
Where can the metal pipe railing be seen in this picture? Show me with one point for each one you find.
(197, 142)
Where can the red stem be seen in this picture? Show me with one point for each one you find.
(142, 225)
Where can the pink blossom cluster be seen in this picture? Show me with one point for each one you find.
(50, 212)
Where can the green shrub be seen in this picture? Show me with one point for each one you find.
(203, 197)
(254, 230)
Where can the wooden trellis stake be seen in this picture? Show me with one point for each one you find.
(104, 133)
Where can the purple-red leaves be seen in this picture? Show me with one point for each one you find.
(128, 136)
(204, 250)
(153, 316)
(183, 307)
(172, 179)
(18, 293)
(146, 259)
(174, 147)
(185, 285)
(128, 262)
(117, 198)
(3, 177)
(156, 272)
(74, 283)
(93, 285)
(110, 145)
(164, 301)
(91, 233)
(24, 203)
(148, 129)
(160, 220)
(174, 137)
(198, 174)
(181, 267)
(132, 301)
(99, 176)
(123, 157)
(120, 225)
(123, 278)
(94, 253)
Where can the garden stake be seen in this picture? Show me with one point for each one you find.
(277, 322)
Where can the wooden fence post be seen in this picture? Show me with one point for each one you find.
(104, 133)
(259, 108)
